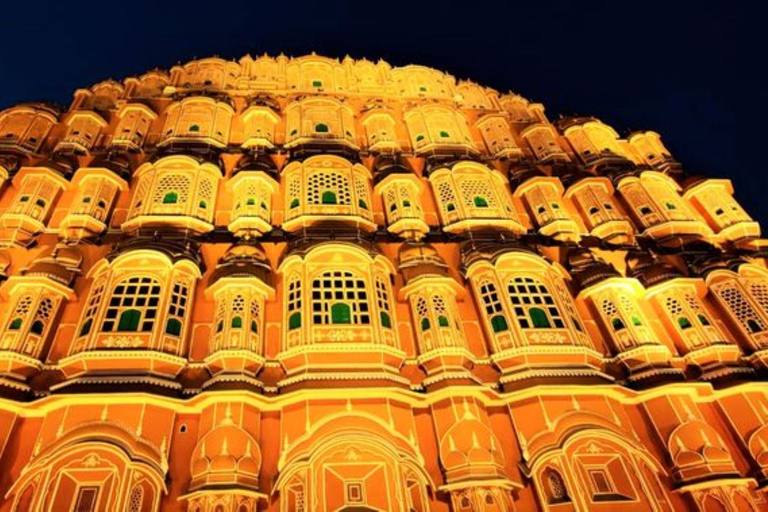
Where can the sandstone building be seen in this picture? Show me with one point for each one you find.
(304, 284)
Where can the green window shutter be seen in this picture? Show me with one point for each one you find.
(539, 318)
(444, 134)
(362, 204)
(40, 203)
(480, 202)
(321, 128)
(171, 198)
(406, 203)
(194, 128)
(220, 326)
(754, 327)
(129, 320)
(425, 324)
(294, 321)
(294, 203)
(683, 322)
(442, 321)
(237, 322)
(703, 320)
(636, 321)
(251, 201)
(203, 205)
(15, 324)
(450, 207)
(499, 323)
(341, 313)
(328, 197)
(419, 138)
(385, 320)
(617, 324)
(173, 327)
(254, 326)
(317, 83)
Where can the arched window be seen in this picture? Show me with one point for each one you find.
(340, 297)
(555, 487)
(237, 322)
(173, 327)
(132, 305)
(480, 202)
(321, 128)
(136, 499)
(533, 304)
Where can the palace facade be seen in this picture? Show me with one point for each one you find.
(304, 284)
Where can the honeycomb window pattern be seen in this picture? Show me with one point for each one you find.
(132, 305)
(533, 304)
(340, 297)
(320, 184)
(23, 304)
(472, 189)
(168, 186)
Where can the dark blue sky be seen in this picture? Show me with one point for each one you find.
(689, 70)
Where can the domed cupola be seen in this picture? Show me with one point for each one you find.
(225, 467)
(587, 270)
(240, 285)
(649, 269)
(227, 455)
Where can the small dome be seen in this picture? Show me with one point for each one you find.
(387, 164)
(244, 259)
(587, 270)
(261, 163)
(648, 269)
(419, 259)
(61, 266)
(225, 455)
(469, 449)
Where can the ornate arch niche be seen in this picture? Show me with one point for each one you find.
(352, 463)
(102, 465)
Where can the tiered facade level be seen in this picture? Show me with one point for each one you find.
(316, 285)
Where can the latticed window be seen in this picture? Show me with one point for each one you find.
(132, 306)
(137, 496)
(731, 294)
(329, 188)
(23, 305)
(93, 306)
(478, 193)
(556, 486)
(446, 196)
(340, 297)
(533, 304)
(382, 301)
(294, 303)
(42, 316)
(172, 189)
(176, 309)
(492, 305)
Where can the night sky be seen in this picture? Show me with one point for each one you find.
(688, 70)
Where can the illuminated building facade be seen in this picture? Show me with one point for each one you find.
(306, 284)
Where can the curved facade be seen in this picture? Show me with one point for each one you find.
(308, 284)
